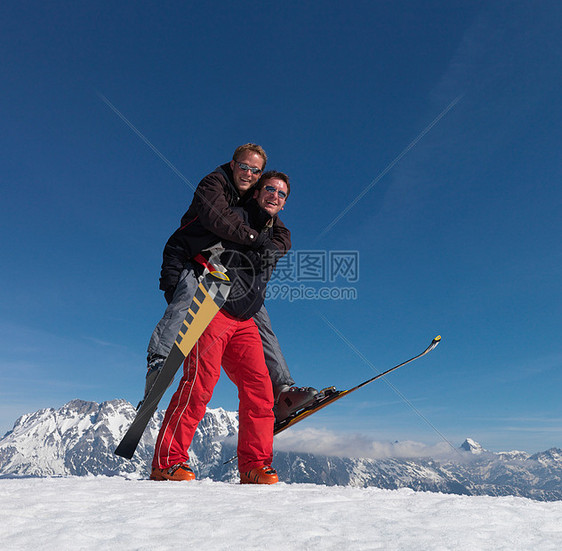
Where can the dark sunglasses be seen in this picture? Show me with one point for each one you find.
(252, 169)
(271, 189)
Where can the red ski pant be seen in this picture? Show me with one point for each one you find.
(237, 345)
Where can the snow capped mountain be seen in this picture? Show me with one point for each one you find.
(79, 439)
(547, 457)
(471, 446)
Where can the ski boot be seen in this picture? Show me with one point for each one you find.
(179, 472)
(289, 400)
(260, 475)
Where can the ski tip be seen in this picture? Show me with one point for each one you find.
(437, 339)
(220, 275)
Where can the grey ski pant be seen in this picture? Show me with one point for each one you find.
(166, 331)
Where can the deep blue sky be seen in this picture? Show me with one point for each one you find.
(444, 117)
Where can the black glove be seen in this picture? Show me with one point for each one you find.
(169, 294)
(258, 242)
(269, 252)
(254, 258)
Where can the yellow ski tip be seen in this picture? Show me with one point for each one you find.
(437, 339)
(220, 275)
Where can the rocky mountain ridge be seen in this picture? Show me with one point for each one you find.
(79, 439)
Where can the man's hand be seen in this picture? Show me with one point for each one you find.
(169, 294)
(255, 259)
(259, 241)
(269, 252)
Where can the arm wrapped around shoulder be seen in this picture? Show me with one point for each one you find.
(281, 236)
(269, 252)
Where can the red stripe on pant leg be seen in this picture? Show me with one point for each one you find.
(163, 456)
(182, 441)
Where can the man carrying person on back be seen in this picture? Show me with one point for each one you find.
(231, 339)
(210, 218)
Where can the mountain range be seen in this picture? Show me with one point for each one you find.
(79, 438)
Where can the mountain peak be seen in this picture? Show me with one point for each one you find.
(548, 456)
(471, 446)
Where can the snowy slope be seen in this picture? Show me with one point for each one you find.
(79, 439)
(91, 513)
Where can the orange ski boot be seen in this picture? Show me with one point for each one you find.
(179, 472)
(260, 475)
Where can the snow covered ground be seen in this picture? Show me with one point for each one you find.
(82, 513)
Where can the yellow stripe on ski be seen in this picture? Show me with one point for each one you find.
(207, 311)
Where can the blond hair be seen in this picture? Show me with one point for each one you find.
(254, 148)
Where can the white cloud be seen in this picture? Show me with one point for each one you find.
(325, 442)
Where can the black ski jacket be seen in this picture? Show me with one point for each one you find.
(248, 269)
(210, 218)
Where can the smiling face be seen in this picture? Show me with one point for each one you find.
(244, 179)
(269, 200)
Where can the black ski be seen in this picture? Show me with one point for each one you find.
(329, 395)
(211, 294)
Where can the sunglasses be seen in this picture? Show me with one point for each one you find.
(252, 169)
(271, 189)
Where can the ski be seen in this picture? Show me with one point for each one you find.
(329, 395)
(209, 298)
